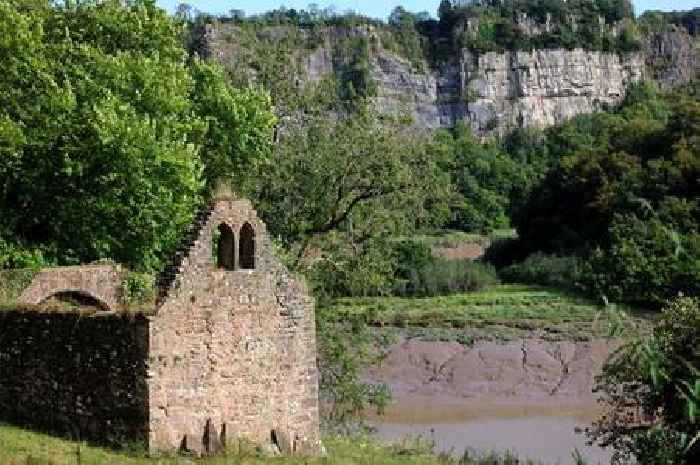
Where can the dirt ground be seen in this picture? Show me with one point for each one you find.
(462, 251)
(528, 369)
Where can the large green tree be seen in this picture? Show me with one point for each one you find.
(108, 132)
(337, 187)
(625, 194)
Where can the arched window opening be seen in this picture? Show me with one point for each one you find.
(225, 248)
(246, 250)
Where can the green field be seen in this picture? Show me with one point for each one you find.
(492, 305)
(22, 447)
(499, 312)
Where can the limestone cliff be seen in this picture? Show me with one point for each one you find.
(494, 92)
(541, 88)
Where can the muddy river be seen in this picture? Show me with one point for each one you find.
(527, 396)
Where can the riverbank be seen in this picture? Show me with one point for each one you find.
(529, 397)
(511, 367)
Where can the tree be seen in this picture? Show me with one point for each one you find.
(101, 131)
(185, 12)
(355, 179)
(236, 14)
(240, 127)
(484, 177)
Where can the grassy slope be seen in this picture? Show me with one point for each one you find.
(495, 304)
(500, 312)
(22, 447)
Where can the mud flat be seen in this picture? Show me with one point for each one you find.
(527, 396)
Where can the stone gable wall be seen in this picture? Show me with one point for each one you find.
(77, 374)
(232, 353)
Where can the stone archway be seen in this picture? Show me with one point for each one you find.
(97, 283)
(77, 297)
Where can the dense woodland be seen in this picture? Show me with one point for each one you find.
(113, 132)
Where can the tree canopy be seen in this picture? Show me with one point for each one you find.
(109, 132)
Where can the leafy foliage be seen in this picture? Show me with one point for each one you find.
(545, 270)
(102, 127)
(626, 193)
(485, 177)
(347, 346)
(445, 277)
(338, 189)
(652, 390)
(533, 24)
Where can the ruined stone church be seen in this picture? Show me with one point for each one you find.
(227, 354)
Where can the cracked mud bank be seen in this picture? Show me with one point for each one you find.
(528, 369)
(527, 396)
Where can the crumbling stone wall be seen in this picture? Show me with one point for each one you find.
(232, 352)
(75, 373)
(228, 354)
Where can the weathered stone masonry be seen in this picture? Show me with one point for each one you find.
(235, 348)
(81, 374)
(229, 352)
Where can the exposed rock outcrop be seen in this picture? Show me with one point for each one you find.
(493, 92)
(672, 58)
(542, 88)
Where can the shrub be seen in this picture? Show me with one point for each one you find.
(545, 270)
(411, 255)
(504, 252)
(652, 389)
(138, 288)
(13, 282)
(441, 277)
(647, 262)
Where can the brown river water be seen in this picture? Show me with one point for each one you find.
(526, 396)
(541, 431)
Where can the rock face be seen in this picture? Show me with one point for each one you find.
(495, 92)
(672, 58)
(541, 88)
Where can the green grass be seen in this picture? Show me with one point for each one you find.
(23, 447)
(453, 238)
(13, 282)
(495, 304)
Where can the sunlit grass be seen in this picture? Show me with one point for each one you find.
(494, 304)
(22, 447)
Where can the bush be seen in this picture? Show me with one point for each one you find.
(652, 389)
(545, 270)
(138, 288)
(13, 282)
(647, 262)
(442, 277)
(504, 252)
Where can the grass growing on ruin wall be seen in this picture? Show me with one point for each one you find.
(22, 447)
(13, 282)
